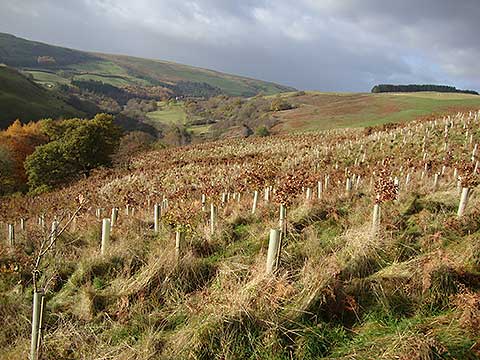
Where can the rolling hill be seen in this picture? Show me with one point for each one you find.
(322, 111)
(55, 65)
(21, 98)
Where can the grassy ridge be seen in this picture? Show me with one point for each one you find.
(165, 71)
(18, 52)
(21, 98)
(122, 70)
(319, 111)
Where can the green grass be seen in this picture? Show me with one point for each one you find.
(174, 114)
(321, 111)
(199, 129)
(168, 114)
(115, 81)
(108, 72)
(47, 79)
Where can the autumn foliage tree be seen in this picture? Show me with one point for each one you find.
(16, 143)
(77, 146)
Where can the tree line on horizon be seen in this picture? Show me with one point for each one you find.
(382, 88)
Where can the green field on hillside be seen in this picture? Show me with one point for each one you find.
(320, 111)
(46, 78)
(173, 113)
(168, 114)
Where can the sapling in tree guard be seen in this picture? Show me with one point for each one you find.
(213, 218)
(468, 179)
(273, 250)
(319, 190)
(38, 296)
(309, 194)
(436, 177)
(267, 194)
(113, 216)
(289, 186)
(105, 235)
(385, 190)
(54, 232)
(255, 201)
(179, 239)
(348, 186)
(181, 218)
(283, 219)
(46, 245)
(11, 235)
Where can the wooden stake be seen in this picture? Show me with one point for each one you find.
(156, 218)
(376, 219)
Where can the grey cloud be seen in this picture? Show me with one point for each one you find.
(346, 45)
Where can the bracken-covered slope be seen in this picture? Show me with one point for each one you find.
(56, 65)
(21, 98)
(406, 288)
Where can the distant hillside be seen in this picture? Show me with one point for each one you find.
(417, 88)
(53, 65)
(18, 52)
(308, 111)
(321, 111)
(24, 99)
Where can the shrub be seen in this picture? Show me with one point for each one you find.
(262, 131)
(279, 104)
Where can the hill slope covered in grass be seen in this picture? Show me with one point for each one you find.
(54, 65)
(21, 98)
(320, 111)
(408, 288)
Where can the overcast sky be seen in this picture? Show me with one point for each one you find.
(331, 45)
